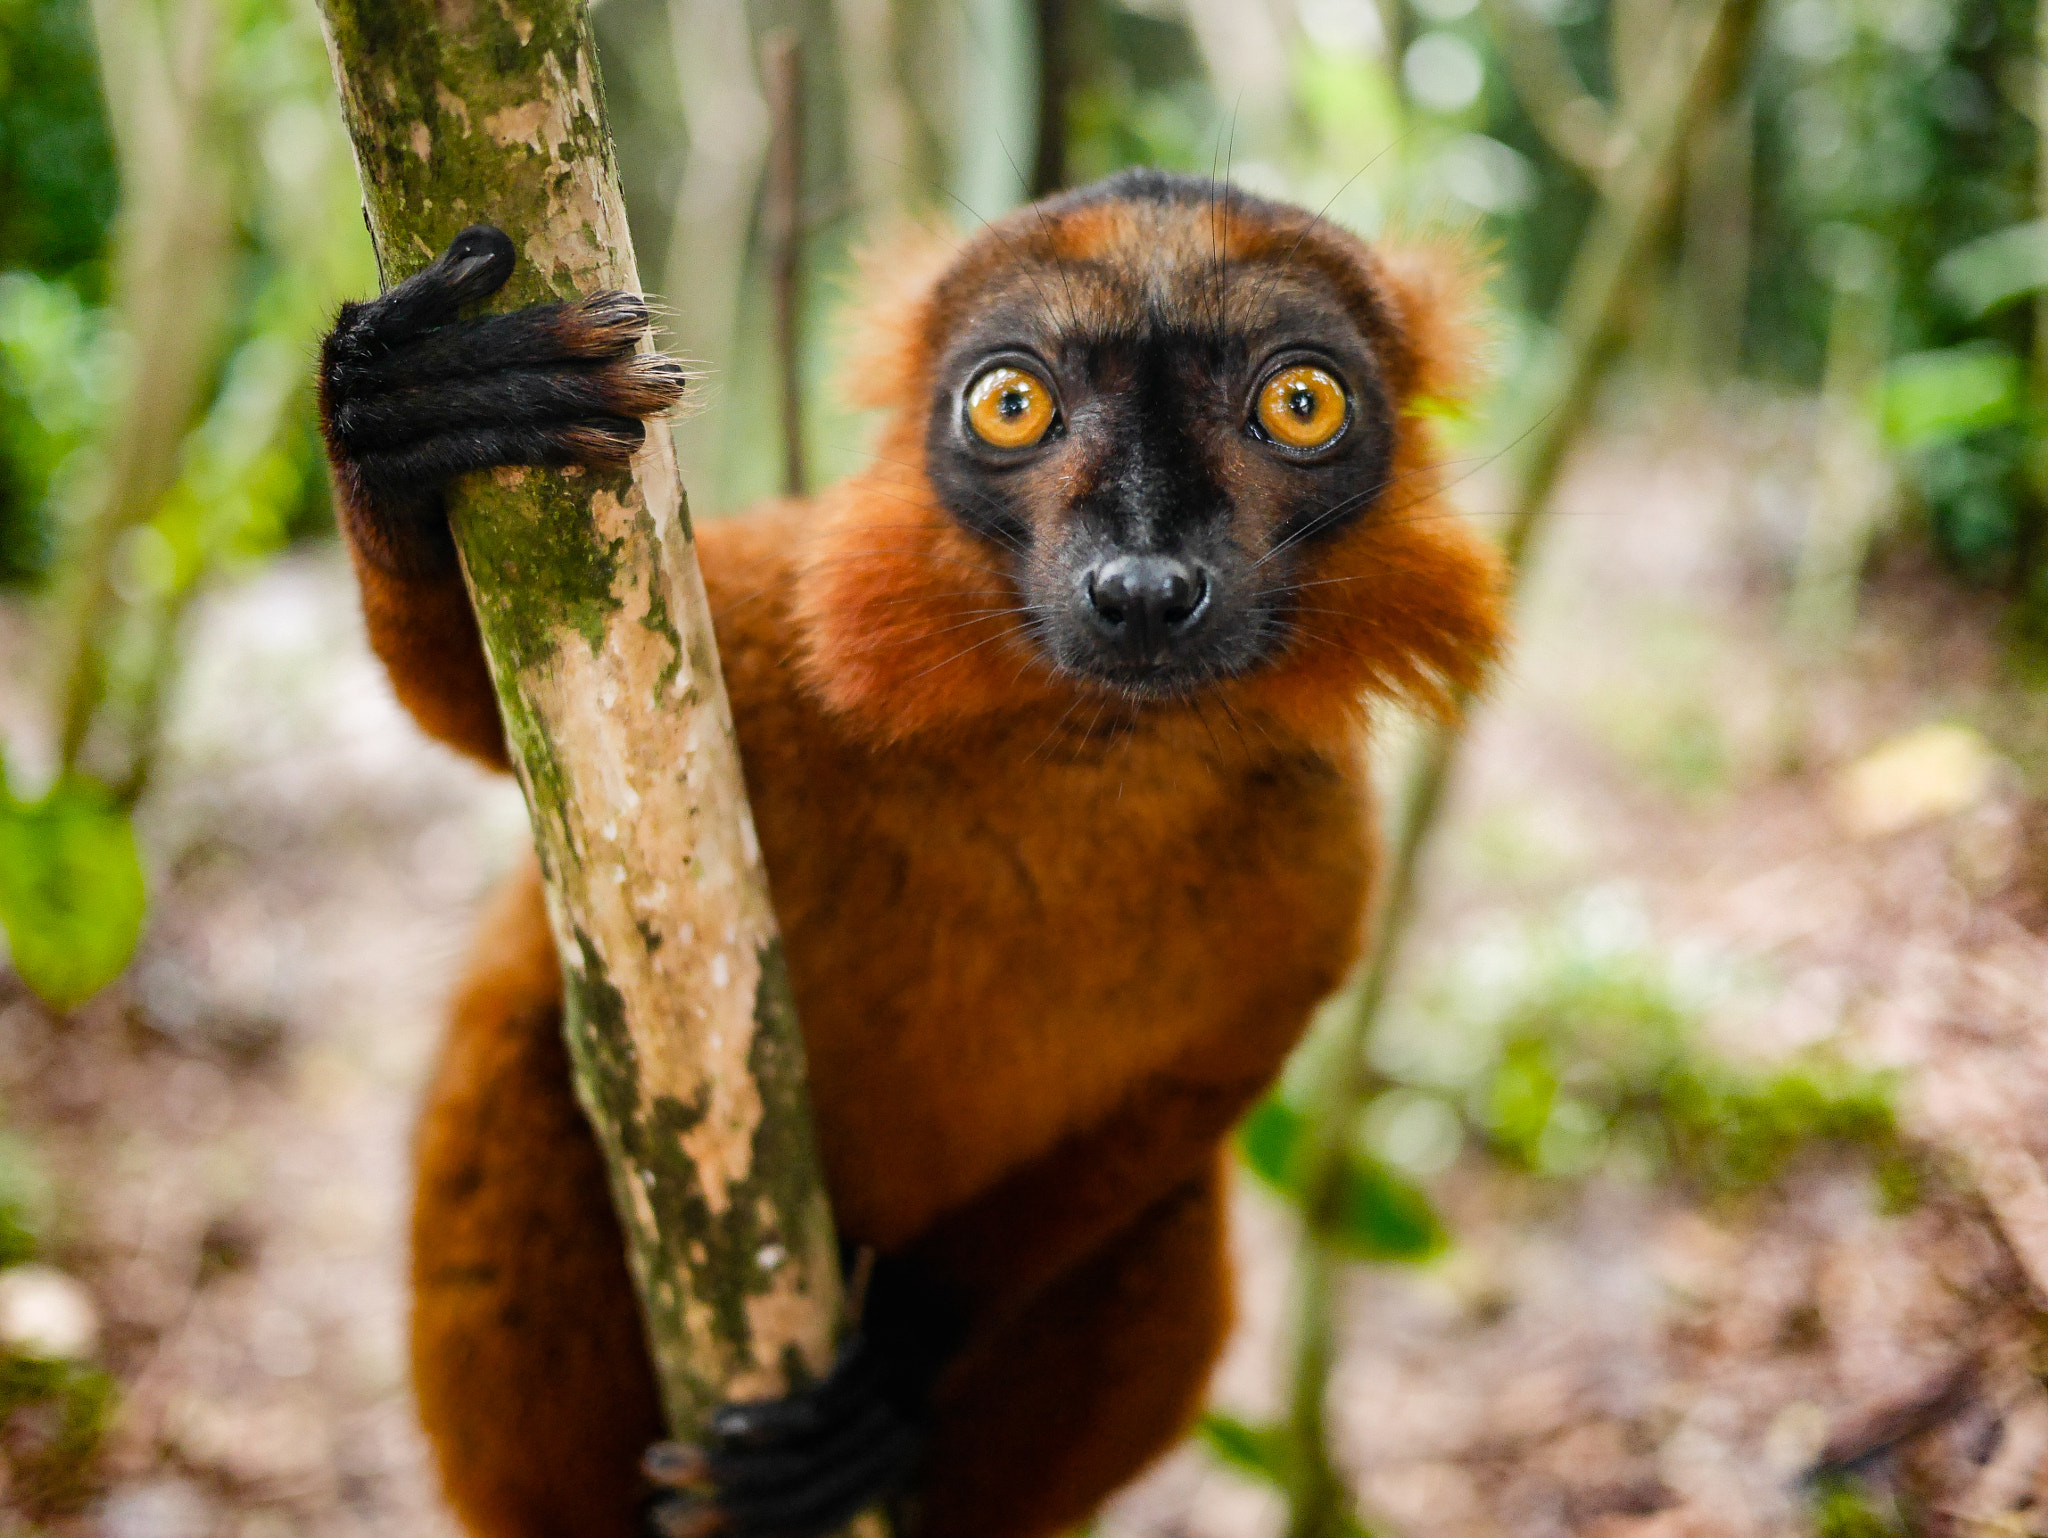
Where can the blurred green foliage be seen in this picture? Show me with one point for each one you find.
(53, 1417)
(1842, 1508)
(253, 479)
(57, 198)
(1563, 1047)
(71, 889)
(54, 392)
(57, 186)
(259, 204)
(1142, 97)
(1379, 1214)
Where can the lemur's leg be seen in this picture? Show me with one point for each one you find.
(412, 396)
(1100, 1375)
(529, 1360)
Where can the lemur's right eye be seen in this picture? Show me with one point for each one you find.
(1009, 407)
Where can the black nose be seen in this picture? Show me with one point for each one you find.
(1147, 601)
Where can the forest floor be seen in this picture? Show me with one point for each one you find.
(1664, 784)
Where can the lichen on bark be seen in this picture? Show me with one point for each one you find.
(595, 622)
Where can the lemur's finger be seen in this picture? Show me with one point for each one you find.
(474, 267)
(684, 1516)
(677, 1465)
(596, 441)
(603, 326)
(639, 385)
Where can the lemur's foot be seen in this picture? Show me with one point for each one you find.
(798, 1467)
(411, 396)
(806, 1465)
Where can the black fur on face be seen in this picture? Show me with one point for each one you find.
(1157, 533)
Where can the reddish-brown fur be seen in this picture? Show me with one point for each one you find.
(1047, 945)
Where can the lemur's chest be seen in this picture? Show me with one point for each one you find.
(989, 954)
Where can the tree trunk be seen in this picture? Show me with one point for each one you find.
(594, 617)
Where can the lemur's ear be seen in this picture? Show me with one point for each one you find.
(889, 320)
(1435, 286)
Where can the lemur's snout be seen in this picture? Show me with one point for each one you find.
(1144, 603)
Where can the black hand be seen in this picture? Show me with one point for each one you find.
(412, 396)
(805, 1465)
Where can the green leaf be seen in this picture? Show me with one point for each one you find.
(1379, 1215)
(71, 890)
(1260, 1451)
(1928, 397)
(1843, 1509)
(1384, 1216)
(1992, 271)
(1270, 1142)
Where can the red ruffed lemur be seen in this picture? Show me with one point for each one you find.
(1053, 722)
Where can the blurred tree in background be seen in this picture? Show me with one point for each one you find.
(181, 222)
(57, 195)
(1873, 188)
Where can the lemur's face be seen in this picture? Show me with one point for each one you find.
(1160, 423)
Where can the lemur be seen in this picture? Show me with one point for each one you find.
(1053, 719)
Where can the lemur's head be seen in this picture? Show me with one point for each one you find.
(1155, 439)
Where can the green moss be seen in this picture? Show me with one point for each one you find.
(539, 569)
(785, 1153)
(1735, 1131)
(533, 751)
(658, 620)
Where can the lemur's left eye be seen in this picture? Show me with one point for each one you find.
(1303, 407)
(1009, 408)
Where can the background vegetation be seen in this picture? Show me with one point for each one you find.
(1844, 225)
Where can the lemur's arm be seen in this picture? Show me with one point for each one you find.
(411, 397)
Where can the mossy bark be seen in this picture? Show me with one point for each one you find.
(599, 636)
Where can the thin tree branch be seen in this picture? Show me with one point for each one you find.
(1571, 119)
(782, 60)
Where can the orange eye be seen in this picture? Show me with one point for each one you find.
(1008, 408)
(1303, 407)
